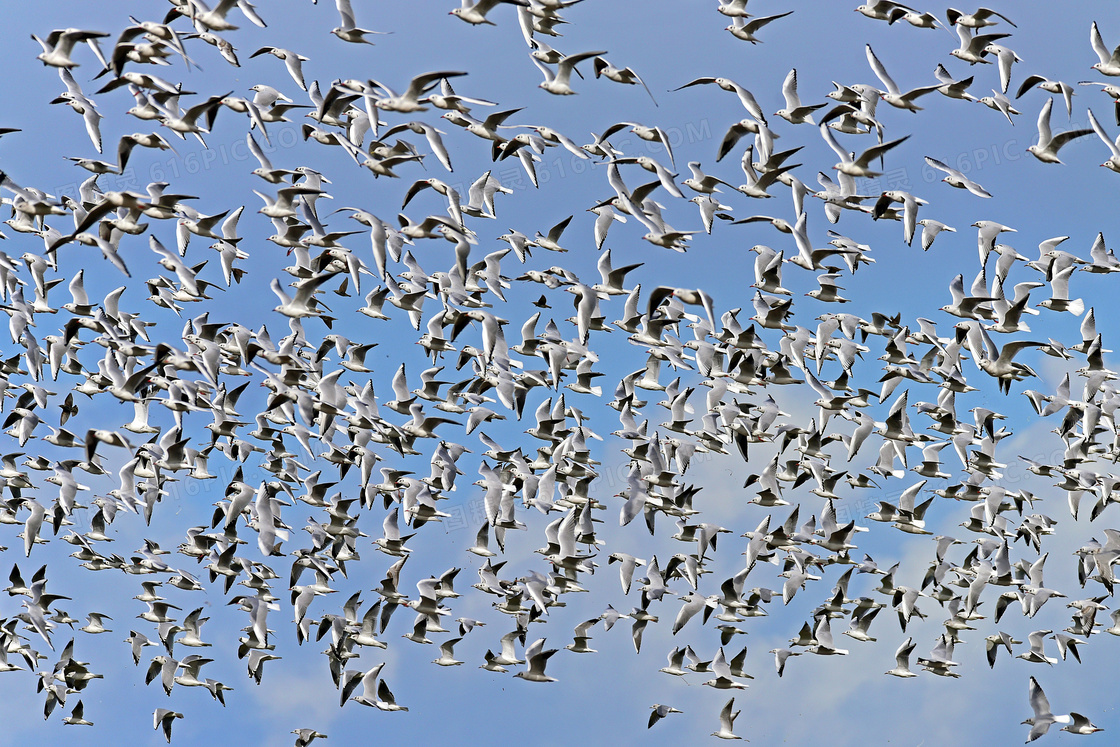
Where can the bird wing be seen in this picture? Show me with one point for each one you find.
(881, 72)
(1113, 146)
(347, 14)
(1062, 138)
(1098, 44)
(789, 90)
(1039, 704)
(1044, 136)
(568, 63)
(876, 151)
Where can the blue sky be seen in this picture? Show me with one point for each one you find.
(669, 44)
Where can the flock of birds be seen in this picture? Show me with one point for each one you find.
(322, 431)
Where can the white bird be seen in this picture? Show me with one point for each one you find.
(431, 134)
(1079, 725)
(727, 722)
(1005, 58)
(746, 28)
(659, 712)
(163, 717)
(902, 660)
(746, 98)
(956, 179)
(894, 95)
(303, 303)
(348, 30)
(1050, 86)
(59, 45)
(1042, 719)
(294, 62)
(1048, 145)
(623, 75)
(80, 103)
(733, 8)
(77, 716)
(1109, 61)
(1059, 294)
(861, 166)
(794, 112)
(649, 134)
(1113, 162)
(1111, 89)
(951, 87)
(883, 10)
(536, 658)
(447, 654)
(981, 18)
(1000, 103)
(559, 82)
(1037, 654)
(971, 49)
(475, 13)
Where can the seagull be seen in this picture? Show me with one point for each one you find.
(957, 179)
(266, 170)
(923, 20)
(910, 205)
(780, 656)
(1050, 86)
(883, 10)
(536, 658)
(746, 98)
(77, 716)
(972, 47)
(1059, 294)
(164, 718)
(1037, 655)
(951, 87)
(293, 61)
(1006, 57)
(860, 167)
(329, 399)
(348, 30)
(410, 100)
(80, 103)
(1042, 719)
(579, 644)
(475, 14)
(304, 737)
(794, 112)
(302, 304)
(622, 75)
(1111, 89)
(559, 83)
(902, 660)
(1109, 61)
(733, 8)
(701, 182)
(649, 134)
(981, 18)
(727, 722)
(1113, 162)
(1000, 103)
(1047, 147)
(447, 654)
(894, 95)
(59, 45)
(743, 28)
(659, 712)
(385, 700)
(1079, 725)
